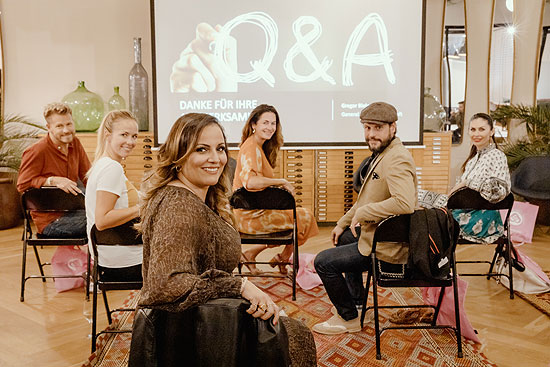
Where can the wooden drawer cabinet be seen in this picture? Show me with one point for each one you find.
(298, 169)
(334, 181)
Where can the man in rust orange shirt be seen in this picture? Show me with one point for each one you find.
(59, 160)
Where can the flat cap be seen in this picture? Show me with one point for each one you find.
(379, 112)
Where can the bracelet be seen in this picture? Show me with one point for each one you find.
(245, 279)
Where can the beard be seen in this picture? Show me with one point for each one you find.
(378, 145)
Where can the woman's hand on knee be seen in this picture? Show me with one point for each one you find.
(261, 304)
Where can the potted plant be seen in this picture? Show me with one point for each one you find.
(537, 124)
(529, 158)
(16, 133)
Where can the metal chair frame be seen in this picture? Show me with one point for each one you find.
(123, 235)
(396, 229)
(48, 199)
(466, 198)
(273, 198)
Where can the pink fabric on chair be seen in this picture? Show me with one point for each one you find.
(307, 278)
(447, 311)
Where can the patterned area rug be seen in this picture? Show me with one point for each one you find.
(399, 347)
(540, 301)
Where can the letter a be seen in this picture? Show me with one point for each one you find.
(382, 58)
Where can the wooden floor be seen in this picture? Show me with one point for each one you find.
(48, 329)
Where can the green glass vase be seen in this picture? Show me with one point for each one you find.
(116, 102)
(87, 108)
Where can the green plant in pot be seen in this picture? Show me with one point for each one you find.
(537, 124)
(16, 133)
(529, 157)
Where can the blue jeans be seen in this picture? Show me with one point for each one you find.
(354, 280)
(70, 225)
(330, 264)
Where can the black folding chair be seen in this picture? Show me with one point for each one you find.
(466, 198)
(396, 229)
(123, 235)
(273, 198)
(44, 200)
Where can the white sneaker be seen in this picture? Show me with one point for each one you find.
(337, 325)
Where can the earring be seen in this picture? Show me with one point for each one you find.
(177, 168)
(253, 131)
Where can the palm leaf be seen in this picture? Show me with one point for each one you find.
(537, 124)
(16, 133)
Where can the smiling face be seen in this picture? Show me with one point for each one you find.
(480, 133)
(60, 128)
(122, 140)
(205, 163)
(378, 136)
(265, 127)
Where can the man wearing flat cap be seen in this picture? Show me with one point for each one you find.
(389, 188)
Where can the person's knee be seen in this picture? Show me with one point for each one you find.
(320, 262)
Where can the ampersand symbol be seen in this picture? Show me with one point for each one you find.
(302, 46)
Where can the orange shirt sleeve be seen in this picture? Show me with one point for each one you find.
(251, 163)
(30, 172)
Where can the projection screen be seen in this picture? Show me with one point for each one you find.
(318, 62)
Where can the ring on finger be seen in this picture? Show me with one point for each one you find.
(262, 307)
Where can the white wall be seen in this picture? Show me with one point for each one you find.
(50, 45)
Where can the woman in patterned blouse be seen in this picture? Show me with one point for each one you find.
(260, 143)
(486, 171)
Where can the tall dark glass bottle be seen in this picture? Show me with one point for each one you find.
(139, 98)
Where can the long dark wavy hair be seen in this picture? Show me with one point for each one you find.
(473, 149)
(270, 147)
(180, 143)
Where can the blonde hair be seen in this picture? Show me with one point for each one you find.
(270, 147)
(179, 145)
(57, 108)
(106, 126)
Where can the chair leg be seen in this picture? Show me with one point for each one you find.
(23, 268)
(295, 267)
(94, 311)
(458, 332)
(107, 309)
(40, 266)
(365, 299)
(375, 300)
(510, 267)
(88, 274)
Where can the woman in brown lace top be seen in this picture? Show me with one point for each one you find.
(190, 245)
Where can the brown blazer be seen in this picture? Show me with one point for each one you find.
(389, 189)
